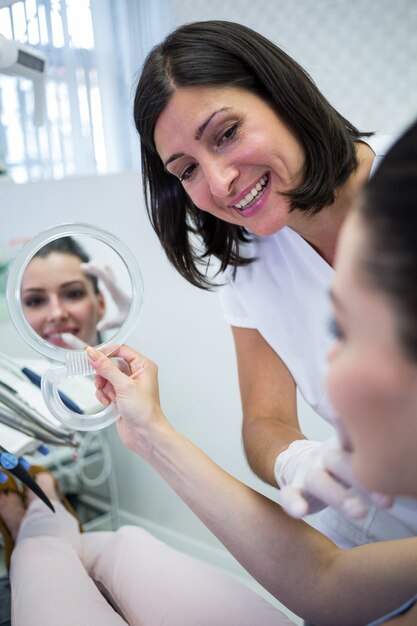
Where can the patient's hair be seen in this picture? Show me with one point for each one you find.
(218, 53)
(388, 211)
(68, 245)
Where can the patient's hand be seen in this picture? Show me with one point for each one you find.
(136, 395)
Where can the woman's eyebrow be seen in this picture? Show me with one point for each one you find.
(70, 283)
(200, 130)
(197, 135)
(38, 289)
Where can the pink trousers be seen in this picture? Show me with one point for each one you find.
(56, 571)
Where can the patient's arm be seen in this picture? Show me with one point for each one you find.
(297, 564)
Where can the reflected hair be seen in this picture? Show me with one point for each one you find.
(218, 53)
(68, 245)
(388, 210)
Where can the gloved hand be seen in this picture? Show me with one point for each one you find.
(121, 300)
(313, 475)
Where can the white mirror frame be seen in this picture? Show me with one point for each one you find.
(76, 362)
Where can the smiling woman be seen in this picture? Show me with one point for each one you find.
(59, 298)
(245, 161)
(226, 143)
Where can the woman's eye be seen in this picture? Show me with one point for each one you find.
(34, 302)
(75, 294)
(187, 173)
(229, 133)
(335, 329)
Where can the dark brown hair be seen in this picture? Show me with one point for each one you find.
(388, 211)
(225, 53)
(68, 245)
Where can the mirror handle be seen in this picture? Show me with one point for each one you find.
(50, 384)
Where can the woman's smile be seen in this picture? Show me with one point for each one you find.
(217, 141)
(253, 200)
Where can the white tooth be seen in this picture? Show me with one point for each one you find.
(252, 194)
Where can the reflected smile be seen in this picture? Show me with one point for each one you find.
(56, 335)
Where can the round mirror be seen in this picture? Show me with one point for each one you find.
(71, 286)
(76, 291)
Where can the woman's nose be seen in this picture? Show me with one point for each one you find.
(56, 310)
(221, 178)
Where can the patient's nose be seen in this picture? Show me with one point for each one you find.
(56, 309)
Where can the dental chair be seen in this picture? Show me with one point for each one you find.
(26, 431)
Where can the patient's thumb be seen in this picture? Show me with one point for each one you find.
(104, 366)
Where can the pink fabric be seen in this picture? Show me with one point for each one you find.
(54, 567)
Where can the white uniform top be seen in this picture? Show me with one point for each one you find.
(284, 294)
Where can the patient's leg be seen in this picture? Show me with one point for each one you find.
(154, 584)
(49, 583)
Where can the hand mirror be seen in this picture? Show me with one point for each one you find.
(71, 286)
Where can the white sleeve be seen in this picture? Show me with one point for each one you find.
(234, 311)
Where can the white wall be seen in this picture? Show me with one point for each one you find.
(362, 54)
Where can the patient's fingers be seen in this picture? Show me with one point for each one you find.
(103, 397)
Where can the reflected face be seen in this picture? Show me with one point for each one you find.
(232, 154)
(57, 297)
(372, 384)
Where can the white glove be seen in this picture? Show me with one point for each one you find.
(313, 475)
(121, 300)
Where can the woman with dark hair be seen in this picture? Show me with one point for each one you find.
(70, 246)
(60, 300)
(245, 162)
(61, 297)
(373, 364)
(372, 382)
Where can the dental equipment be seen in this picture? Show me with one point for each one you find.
(32, 419)
(13, 465)
(17, 59)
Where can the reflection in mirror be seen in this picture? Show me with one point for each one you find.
(76, 291)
